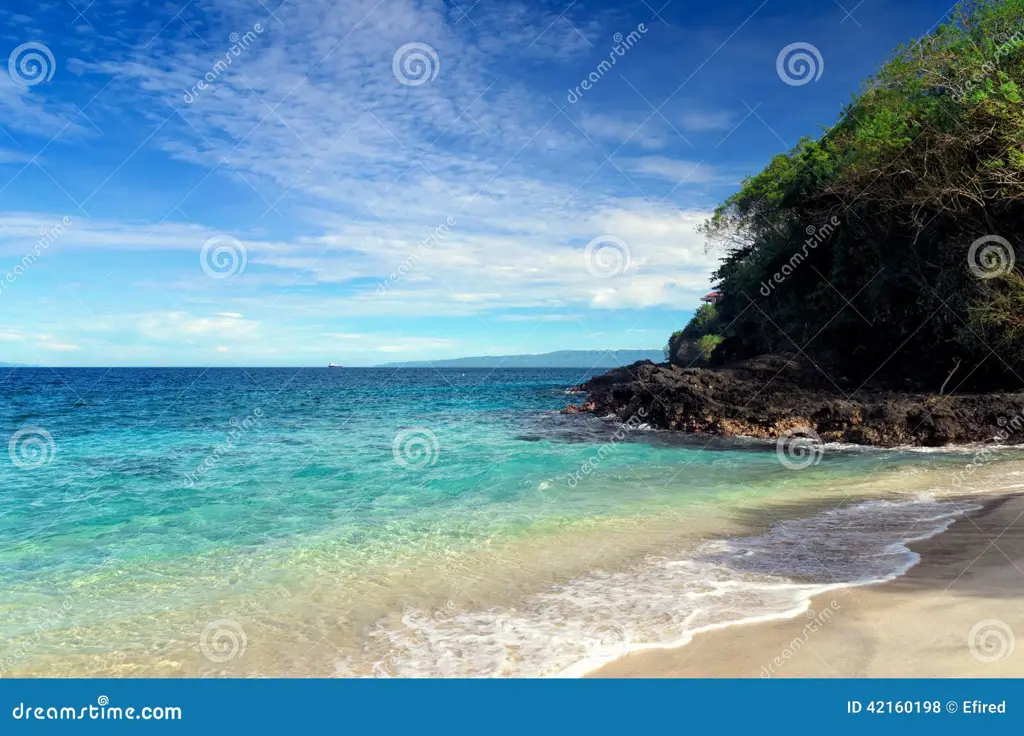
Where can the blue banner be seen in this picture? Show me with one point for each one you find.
(483, 707)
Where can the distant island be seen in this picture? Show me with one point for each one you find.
(557, 359)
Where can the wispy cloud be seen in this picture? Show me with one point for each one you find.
(418, 344)
(346, 167)
(674, 170)
(708, 120)
(46, 343)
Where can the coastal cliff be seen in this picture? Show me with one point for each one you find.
(780, 394)
(885, 253)
(889, 245)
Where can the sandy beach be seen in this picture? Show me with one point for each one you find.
(954, 614)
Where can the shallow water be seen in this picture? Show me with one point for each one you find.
(416, 522)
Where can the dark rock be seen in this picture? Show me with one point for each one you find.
(773, 394)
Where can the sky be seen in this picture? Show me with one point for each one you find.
(257, 182)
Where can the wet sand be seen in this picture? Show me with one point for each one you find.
(954, 614)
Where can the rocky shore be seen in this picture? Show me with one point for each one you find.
(776, 395)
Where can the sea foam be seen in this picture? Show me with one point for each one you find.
(662, 602)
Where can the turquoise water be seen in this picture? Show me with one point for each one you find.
(361, 521)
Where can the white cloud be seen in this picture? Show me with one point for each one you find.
(46, 342)
(674, 170)
(183, 326)
(418, 344)
(699, 121)
(359, 165)
(536, 318)
(59, 346)
(29, 109)
(647, 131)
(36, 340)
(8, 156)
(497, 262)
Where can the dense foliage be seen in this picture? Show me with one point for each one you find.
(695, 343)
(703, 322)
(854, 247)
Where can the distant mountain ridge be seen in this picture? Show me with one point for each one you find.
(556, 359)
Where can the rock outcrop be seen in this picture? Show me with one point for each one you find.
(775, 395)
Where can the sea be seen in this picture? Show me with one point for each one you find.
(369, 522)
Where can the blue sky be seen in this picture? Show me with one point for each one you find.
(288, 213)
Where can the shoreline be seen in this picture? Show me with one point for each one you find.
(963, 589)
(805, 606)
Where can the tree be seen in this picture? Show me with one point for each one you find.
(856, 246)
